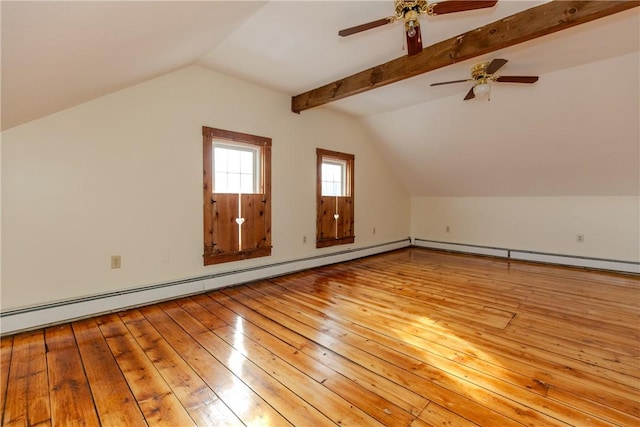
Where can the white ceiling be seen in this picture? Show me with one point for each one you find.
(550, 138)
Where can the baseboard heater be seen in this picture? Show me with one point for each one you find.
(522, 255)
(12, 321)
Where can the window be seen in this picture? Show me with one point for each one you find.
(335, 190)
(236, 196)
(236, 168)
(334, 178)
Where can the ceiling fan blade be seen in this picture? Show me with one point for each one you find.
(453, 6)
(470, 95)
(495, 65)
(449, 82)
(516, 79)
(414, 44)
(367, 26)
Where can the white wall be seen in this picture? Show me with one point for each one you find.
(610, 225)
(122, 175)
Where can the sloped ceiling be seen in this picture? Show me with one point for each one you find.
(575, 132)
(57, 54)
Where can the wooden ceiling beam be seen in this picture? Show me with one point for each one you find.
(523, 26)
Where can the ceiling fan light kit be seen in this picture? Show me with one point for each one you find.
(411, 23)
(482, 89)
(410, 10)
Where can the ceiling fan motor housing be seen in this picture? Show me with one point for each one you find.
(479, 71)
(403, 6)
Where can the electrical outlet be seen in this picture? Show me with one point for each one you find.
(580, 238)
(116, 261)
(304, 239)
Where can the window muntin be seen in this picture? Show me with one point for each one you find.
(236, 168)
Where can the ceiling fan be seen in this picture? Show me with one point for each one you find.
(410, 10)
(483, 73)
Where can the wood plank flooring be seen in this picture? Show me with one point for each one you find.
(408, 338)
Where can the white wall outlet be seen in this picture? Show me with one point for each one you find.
(580, 238)
(304, 239)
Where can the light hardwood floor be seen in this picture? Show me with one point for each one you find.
(412, 337)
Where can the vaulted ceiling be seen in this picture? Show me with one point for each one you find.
(574, 132)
